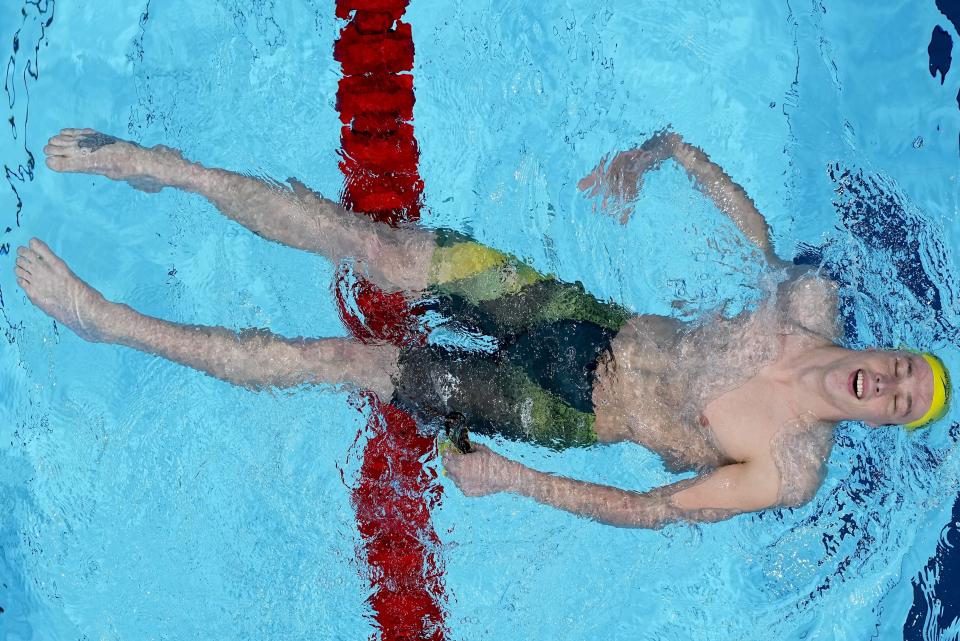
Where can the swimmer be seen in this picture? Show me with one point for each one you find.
(748, 403)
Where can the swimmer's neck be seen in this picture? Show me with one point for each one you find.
(802, 376)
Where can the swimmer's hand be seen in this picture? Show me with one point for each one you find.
(618, 180)
(479, 473)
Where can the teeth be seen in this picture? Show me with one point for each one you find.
(860, 384)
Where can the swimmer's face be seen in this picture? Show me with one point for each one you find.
(882, 387)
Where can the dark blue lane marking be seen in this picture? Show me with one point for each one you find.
(938, 578)
(936, 592)
(941, 43)
(951, 9)
(939, 50)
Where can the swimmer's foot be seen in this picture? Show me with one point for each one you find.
(51, 286)
(91, 152)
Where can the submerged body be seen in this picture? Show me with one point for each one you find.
(748, 403)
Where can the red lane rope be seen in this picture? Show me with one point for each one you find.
(379, 158)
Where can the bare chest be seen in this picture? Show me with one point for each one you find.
(652, 395)
(744, 420)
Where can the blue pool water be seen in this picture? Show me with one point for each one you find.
(144, 500)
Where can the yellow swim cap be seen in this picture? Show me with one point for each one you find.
(941, 393)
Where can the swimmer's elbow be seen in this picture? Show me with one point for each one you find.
(725, 493)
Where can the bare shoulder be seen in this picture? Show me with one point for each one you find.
(811, 300)
(800, 452)
(660, 328)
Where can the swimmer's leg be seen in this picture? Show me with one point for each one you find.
(395, 258)
(254, 359)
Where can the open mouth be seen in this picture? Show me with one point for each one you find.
(858, 380)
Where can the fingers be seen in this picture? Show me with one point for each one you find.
(451, 459)
(595, 178)
(448, 453)
(592, 182)
(77, 132)
(587, 181)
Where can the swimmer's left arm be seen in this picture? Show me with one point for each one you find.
(726, 492)
(619, 179)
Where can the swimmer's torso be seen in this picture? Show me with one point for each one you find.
(700, 395)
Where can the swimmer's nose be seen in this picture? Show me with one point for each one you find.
(884, 384)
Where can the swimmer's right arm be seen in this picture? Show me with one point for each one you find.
(721, 494)
(623, 175)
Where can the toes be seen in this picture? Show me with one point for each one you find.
(41, 250)
(62, 141)
(56, 150)
(39, 246)
(44, 253)
(62, 163)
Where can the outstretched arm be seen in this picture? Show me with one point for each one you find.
(726, 492)
(623, 175)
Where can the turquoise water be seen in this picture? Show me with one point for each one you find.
(145, 500)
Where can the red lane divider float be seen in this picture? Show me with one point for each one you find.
(379, 157)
